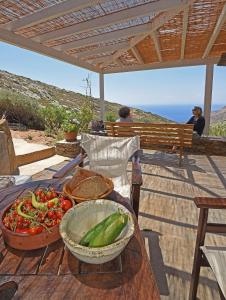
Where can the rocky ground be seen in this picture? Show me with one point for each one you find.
(33, 136)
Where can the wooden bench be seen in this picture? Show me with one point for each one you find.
(155, 136)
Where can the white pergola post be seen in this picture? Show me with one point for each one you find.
(102, 104)
(208, 96)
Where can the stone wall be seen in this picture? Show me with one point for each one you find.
(68, 149)
(209, 146)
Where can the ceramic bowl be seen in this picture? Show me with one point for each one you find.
(27, 241)
(82, 217)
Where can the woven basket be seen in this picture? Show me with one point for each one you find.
(67, 191)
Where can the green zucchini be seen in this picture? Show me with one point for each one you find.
(109, 233)
(97, 228)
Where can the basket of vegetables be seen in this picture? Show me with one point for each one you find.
(32, 221)
(97, 231)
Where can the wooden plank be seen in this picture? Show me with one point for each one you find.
(28, 158)
(154, 132)
(31, 262)
(110, 19)
(51, 259)
(49, 13)
(22, 42)
(137, 124)
(70, 264)
(220, 23)
(208, 202)
(11, 261)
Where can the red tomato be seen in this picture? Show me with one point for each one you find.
(54, 195)
(51, 214)
(66, 205)
(49, 195)
(50, 204)
(35, 230)
(20, 219)
(61, 199)
(59, 214)
(38, 193)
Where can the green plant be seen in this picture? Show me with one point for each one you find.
(54, 116)
(110, 117)
(218, 129)
(67, 126)
(84, 117)
(19, 108)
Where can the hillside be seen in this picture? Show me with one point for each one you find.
(46, 93)
(219, 115)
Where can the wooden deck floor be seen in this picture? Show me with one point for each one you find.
(168, 213)
(167, 210)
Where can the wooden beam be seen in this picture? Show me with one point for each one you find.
(208, 96)
(124, 33)
(50, 13)
(110, 19)
(184, 32)
(157, 45)
(101, 86)
(137, 55)
(105, 37)
(97, 60)
(216, 31)
(102, 49)
(14, 39)
(157, 22)
(163, 65)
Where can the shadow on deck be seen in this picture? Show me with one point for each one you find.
(169, 218)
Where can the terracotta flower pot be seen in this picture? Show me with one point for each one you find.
(70, 136)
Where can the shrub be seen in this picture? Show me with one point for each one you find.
(53, 116)
(218, 129)
(21, 109)
(84, 117)
(111, 117)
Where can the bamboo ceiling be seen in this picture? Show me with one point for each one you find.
(118, 35)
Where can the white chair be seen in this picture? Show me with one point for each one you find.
(109, 156)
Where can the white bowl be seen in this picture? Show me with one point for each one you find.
(82, 217)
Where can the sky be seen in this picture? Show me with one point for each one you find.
(175, 86)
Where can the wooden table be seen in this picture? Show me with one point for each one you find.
(53, 273)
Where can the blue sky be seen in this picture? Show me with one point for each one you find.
(175, 86)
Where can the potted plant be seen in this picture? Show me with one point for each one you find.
(70, 130)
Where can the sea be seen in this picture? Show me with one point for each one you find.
(177, 113)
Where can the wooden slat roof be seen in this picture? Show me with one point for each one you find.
(110, 36)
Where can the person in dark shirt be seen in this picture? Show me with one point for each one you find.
(198, 120)
(199, 123)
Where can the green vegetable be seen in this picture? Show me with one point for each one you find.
(19, 211)
(97, 228)
(109, 233)
(40, 205)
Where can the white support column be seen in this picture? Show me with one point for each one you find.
(208, 96)
(101, 85)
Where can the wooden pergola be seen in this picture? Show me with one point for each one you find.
(112, 36)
